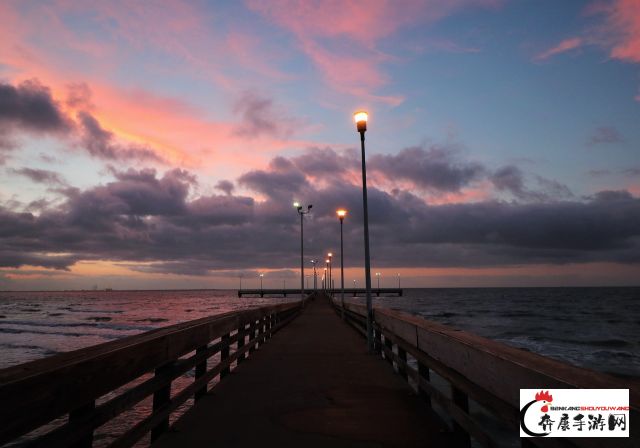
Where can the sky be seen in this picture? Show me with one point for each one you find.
(161, 144)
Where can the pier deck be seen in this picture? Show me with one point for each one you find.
(313, 385)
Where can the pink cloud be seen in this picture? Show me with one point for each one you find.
(623, 28)
(341, 37)
(562, 47)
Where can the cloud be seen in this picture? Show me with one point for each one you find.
(562, 47)
(41, 176)
(605, 135)
(341, 37)
(622, 29)
(153, 221)
(101, 143)
(30, 106)
(433, 168)
(511, 179)
(226, 186)
(258, 117)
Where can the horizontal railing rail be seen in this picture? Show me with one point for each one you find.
(69, 384)
(483, 370)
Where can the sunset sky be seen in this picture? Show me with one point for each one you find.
(160, 144)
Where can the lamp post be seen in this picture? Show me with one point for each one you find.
(330, 255)
(398, 280)
(261, 275)
(302, 213)
(315, 278)
(378, 276)
(326, 274)
(361, 125)
(341, 214)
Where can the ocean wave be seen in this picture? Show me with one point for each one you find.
(96, 325)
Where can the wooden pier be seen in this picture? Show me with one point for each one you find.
(351, 292)
(294, 374)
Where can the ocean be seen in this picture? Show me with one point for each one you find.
(597, 328)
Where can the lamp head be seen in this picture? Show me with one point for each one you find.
(329, 255)
(296, 204)
(361, 118)
(341, 213)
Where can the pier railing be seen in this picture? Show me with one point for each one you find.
(70, 388)
(475, 368)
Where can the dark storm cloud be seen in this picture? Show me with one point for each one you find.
(511, 179)
(146, 217)
(435, 168)
(101, 143)
(326, 162)
(40, 176)
(30, 106)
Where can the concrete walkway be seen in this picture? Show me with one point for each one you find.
(312, 385)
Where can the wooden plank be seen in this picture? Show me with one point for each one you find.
(85, 439)
(224, 355)
(161, 397)
(94, 371)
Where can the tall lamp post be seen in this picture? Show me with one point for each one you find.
(261, 275)
(330, 255)
(315, 278)
(302, 213)
(378, 276)
(341, 214)
(361, 125)
(326, 274)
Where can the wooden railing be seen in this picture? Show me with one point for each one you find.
(70, 384)
(479, 369)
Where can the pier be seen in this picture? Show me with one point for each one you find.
(294, 374)
(351, 292)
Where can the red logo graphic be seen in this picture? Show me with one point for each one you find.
(545, 397)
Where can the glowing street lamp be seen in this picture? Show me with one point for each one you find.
(302, 213)
(261, 275)
(341, 214)
(361, 118)
(378, 276)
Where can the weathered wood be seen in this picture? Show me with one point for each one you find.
(423, 371)
(389, 345)
(241, 337)
(94, 371)
(461, 400)
(201, 369)
(224, 355)
(85, 439)
(161, 397)
(487, 371)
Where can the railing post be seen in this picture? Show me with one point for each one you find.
(224, 355)
(461, 400)
(201, 369)
(79, 414)
(377, 342)
(241, 336)
(261, 330)
(160, 398)
(389, 345)
(423, 372)
(252, 335)
(402, 369)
